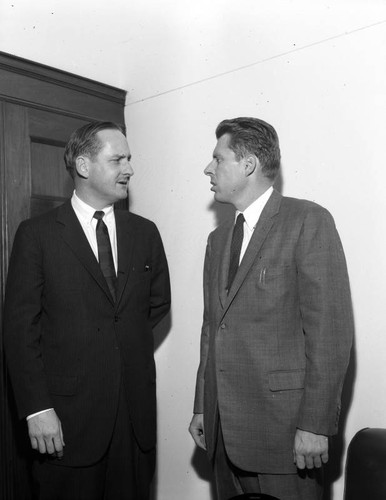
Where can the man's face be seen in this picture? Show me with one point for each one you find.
(227, 174)
(109, 171)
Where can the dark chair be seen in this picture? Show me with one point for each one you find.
(254, 496)
(366, 466)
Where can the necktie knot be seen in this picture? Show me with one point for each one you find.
(99, 214)
(239, 221)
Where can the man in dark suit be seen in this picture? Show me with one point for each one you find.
(86, 285)
(277, 327)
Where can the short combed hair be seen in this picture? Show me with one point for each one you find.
(253, 136)
(83, 141)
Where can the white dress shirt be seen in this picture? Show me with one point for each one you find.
(85, 215)
(252, 216)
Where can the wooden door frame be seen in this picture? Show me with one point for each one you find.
(34, 85)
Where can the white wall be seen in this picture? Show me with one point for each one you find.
(328, 104)
(316, 71)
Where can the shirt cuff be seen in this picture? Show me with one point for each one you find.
(38, 413)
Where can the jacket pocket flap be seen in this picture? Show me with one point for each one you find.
(286, 380)
(62, 385)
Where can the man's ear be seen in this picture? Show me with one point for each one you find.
(82, 167)
(251, 164)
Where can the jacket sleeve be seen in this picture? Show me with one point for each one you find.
(204, 348)
(160, 283)
(327, 319)
(22, 333)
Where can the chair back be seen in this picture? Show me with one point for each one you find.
(366, 466)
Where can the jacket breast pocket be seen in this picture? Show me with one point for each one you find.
(138, 290)
(274, 277)
(140, 274)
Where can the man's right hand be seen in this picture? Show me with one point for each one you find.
(46, 435)
(196, 429)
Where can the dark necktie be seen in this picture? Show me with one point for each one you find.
(105, 254)
(237, 240)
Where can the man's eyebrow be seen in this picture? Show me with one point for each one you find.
(120, 157)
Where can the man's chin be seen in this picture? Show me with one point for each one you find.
(120, 197)
(123, 193)
(219, 198)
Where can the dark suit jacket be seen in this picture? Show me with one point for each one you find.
(68, 345)
(274, 351)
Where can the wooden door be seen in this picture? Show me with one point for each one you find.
(36, 180)
(39, 108)
(35, 173)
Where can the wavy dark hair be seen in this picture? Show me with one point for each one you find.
(253, 136)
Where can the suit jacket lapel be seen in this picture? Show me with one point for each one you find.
(259, 235)
(126, 234)
(75, 238)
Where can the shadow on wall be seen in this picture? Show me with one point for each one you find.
(203, 468)
(162, 330)
(160, 333)
(200, 464)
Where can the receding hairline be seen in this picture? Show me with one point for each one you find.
(84, 141)
(98, 140)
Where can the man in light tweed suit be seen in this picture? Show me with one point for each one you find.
(276, 337)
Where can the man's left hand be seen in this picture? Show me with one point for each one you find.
(310, 450)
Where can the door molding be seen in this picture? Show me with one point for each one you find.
(37, 85)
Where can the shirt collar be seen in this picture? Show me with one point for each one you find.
(253, 212)
(86, 213)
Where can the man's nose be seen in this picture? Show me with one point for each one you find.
(209, 168)
(128, 169)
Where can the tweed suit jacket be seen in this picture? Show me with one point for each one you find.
(275, 349)
(68, 345)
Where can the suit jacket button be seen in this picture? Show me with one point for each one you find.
(223, 326)
(116, 319)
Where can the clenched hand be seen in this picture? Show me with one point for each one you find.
(310, 450)
(196, 429)
(45, 433)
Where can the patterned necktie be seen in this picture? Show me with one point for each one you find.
(237, 240)
(105, 254)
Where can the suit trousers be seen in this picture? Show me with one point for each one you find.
(124, 473)
(231, 481)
